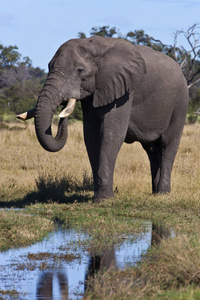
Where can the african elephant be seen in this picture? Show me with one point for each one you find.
(128, 93)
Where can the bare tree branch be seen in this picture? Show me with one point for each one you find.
(188, 58)
(193, 83)
(157, 41)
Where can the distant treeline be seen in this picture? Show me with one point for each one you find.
(21, 83)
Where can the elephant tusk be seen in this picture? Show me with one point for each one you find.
(27, 115)
(68, 109)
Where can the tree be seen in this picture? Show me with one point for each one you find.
(77, 113)
(20, 82)
(189, 59)
(9, 56)
(103, 31)
(81, 35)
(12, 68)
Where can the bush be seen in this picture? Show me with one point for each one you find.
(191, 118)
(56, 187)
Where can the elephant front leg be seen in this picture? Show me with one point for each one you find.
(114, 126)
(110, 146)
(107, 159)
(105, 130)
(102, 147)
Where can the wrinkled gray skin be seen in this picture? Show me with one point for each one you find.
(128, 93)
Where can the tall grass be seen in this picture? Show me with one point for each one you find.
(24, 164)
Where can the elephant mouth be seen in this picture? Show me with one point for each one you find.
(66, 112)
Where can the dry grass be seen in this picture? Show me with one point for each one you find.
(23, 159)
(133, 170)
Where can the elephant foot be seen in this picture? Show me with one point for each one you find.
(98, 200)
(161, 188)
(100, 196)
(161, 192)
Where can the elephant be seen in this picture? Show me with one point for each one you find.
(128, 93)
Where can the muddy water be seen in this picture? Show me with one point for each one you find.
(57, 267)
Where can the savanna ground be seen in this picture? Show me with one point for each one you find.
(57, 187)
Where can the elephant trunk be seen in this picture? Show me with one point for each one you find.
(49, 100)
(43, 118)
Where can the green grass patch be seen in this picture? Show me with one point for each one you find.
(20, 229)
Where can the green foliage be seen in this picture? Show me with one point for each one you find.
(192, 118)
(9, 56)
(194, 103)
(81, 35)
(139, 37)
(20, 82)
(103, 31)
(77, 113)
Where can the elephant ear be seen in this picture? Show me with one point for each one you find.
(122, 69)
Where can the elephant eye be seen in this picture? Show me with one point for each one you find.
(80, 71)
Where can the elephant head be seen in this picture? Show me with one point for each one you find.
(103, 68)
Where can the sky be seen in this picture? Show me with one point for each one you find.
(39, 27)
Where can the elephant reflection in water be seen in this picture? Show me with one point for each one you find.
(96, 263)
(159, 232)
(100, 262)
(108, 259)
(45, 286)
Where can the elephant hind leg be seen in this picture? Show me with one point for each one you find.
(154, 152)
(170, 141)
(162, 153)
(168, 155)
